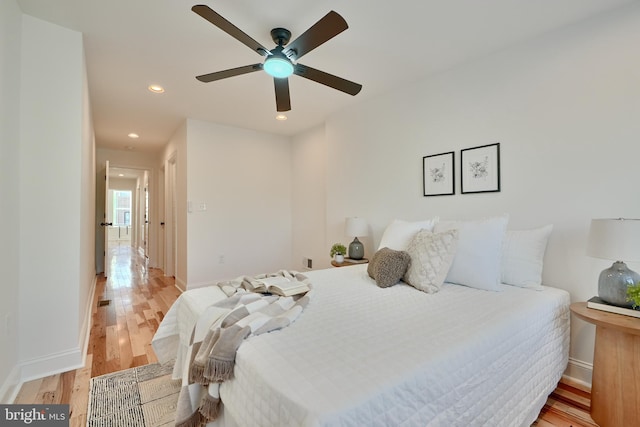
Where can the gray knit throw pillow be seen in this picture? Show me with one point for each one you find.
(388, 266)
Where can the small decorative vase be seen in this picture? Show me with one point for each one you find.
(613, 283)
(339, 258)
(356, 249)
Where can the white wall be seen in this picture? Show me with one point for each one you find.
(10, 40)
(244, 179)
(565, 108)
(86, 265)
(55, 140)
(308, 166)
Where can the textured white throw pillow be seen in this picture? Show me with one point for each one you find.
(399, 233)
(477, 262)
(431, 257)
(523, 256)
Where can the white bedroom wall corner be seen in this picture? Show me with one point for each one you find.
(309, 199)
(10, 63)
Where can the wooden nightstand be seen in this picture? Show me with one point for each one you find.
(349, 261)
(615, 388)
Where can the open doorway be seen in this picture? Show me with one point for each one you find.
(127, 211)
(123, 207)
(120, 206)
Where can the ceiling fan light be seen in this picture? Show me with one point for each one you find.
(278, 67)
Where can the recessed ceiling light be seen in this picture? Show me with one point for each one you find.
(120, 174)
(156, 88)
(281, 117)
(134, 135)
(129, 147)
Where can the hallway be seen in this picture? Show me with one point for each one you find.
(127, 309)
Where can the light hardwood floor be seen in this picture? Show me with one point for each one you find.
(121, 333)
(138, 298)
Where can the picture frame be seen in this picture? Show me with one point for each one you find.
(480, 169)
(438, 174)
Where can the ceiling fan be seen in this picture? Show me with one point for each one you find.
(281, 61)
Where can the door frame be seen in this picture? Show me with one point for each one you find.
(170, 217)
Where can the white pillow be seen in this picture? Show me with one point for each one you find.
(399, 233)
(523, 255)
(431, 257)
(477, 262)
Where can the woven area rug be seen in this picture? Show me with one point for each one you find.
(145, 396)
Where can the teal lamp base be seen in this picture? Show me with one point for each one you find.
(613, 283)
(356, 249)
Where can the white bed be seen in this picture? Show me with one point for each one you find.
(364, 355)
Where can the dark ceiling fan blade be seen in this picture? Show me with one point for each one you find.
(219, 75)
(327, 79)
(283, 100)
(216, 19)
(325, 29)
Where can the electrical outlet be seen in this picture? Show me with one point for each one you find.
(220, 259)
(307, 262)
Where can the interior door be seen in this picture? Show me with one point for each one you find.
(107, 220)
(146, 214)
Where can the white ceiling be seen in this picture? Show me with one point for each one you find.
(131, 44)
(125, 173)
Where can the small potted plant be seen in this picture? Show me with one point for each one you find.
(633, 295)
(338, 251)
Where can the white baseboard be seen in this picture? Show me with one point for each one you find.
(181, 285)
(85, 332)
(52, 364)
(11, 386)
(579, 371)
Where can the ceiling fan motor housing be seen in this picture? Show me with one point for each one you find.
(280, 36)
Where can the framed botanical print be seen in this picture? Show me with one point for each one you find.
(438, 174)
(480, 169)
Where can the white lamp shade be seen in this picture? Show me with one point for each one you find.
(356, 227)
(614, 239)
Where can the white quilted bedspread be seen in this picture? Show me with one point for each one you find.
(360, 355)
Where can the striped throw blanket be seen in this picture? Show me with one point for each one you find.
(218, 334)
